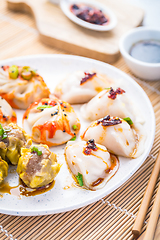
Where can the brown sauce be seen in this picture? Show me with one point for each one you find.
(146, 51)
(21, 190)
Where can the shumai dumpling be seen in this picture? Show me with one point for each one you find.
(51, 121)
(21, 86)
(111, 102)
(118, 136)
(90, 163)
(3, 170)
(7, 115)
(37, 166)
(12, 139)
(80, 87)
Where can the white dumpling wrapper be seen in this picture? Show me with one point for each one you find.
(7, 114)
(101, 105)
(95, 167)
(120, 139)
(71, 91)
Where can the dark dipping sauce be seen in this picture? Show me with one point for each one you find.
(146, 51)
(89, 14)
(22, 190)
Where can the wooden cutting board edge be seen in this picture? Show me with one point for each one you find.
(71, 48)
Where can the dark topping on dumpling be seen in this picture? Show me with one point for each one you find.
(88, 76)
(113, 94)
(107, 121)
(90, 146)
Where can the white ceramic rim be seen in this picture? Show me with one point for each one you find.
(72, 17)
(127, 55)
(128, 175)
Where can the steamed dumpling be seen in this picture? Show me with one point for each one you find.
(117, 136)
(111, 102)
(51, 121)
(12, 139)
(37, 166)
(80, 87)
(3, 170)
(91, 164)
(7, 115)
(21, 86)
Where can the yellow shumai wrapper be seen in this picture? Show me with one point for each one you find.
(3, 170)
(38, 171)
(10, 147)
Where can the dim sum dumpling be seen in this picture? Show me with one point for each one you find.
(12, 139)
(111, 102)
(117, 136)
(7, 115)
(80, 87)
(37, 166)
(90, 164)
(51, 121)
(3, 170)
(21, 86)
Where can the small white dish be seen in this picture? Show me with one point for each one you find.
(144, 70)
(66, 4)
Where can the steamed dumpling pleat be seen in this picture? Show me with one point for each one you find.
(111, 102)
(80, 87)
(92, 162)
(117, 136)
(51, 121)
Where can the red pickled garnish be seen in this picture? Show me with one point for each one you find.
(89, 14)
(113, 94)
(88, 76)
(107, 121)
(90, 146)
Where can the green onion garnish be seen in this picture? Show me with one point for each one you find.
(75, 127)
(128, 120)
(3, 132)
(35, 149)
(74, 138)
(80, 179)
(44, 106)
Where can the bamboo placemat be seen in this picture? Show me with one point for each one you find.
(109, 218)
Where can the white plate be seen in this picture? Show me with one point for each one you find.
(53, 68)
(65, 6)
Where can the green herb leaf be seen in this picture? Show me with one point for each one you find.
(74, 138)
(80, 179)
(128, 120)
(35, 149)
(75, 127)
(44, 106)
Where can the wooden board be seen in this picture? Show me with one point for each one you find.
(56, 30)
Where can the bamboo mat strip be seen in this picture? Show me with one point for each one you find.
(109, 218)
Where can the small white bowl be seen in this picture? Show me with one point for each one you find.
(147, 71)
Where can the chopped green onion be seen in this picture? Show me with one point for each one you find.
(107, 88)
(13, 72)
(35, 149)
(80, 179)
(44, 106)
(3, 132)
(74, 138)
(75, 127)
(27, 73)
(128, 120)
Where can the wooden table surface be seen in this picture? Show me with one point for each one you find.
(109, 218)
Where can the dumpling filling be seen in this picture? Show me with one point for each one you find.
(90, 164)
